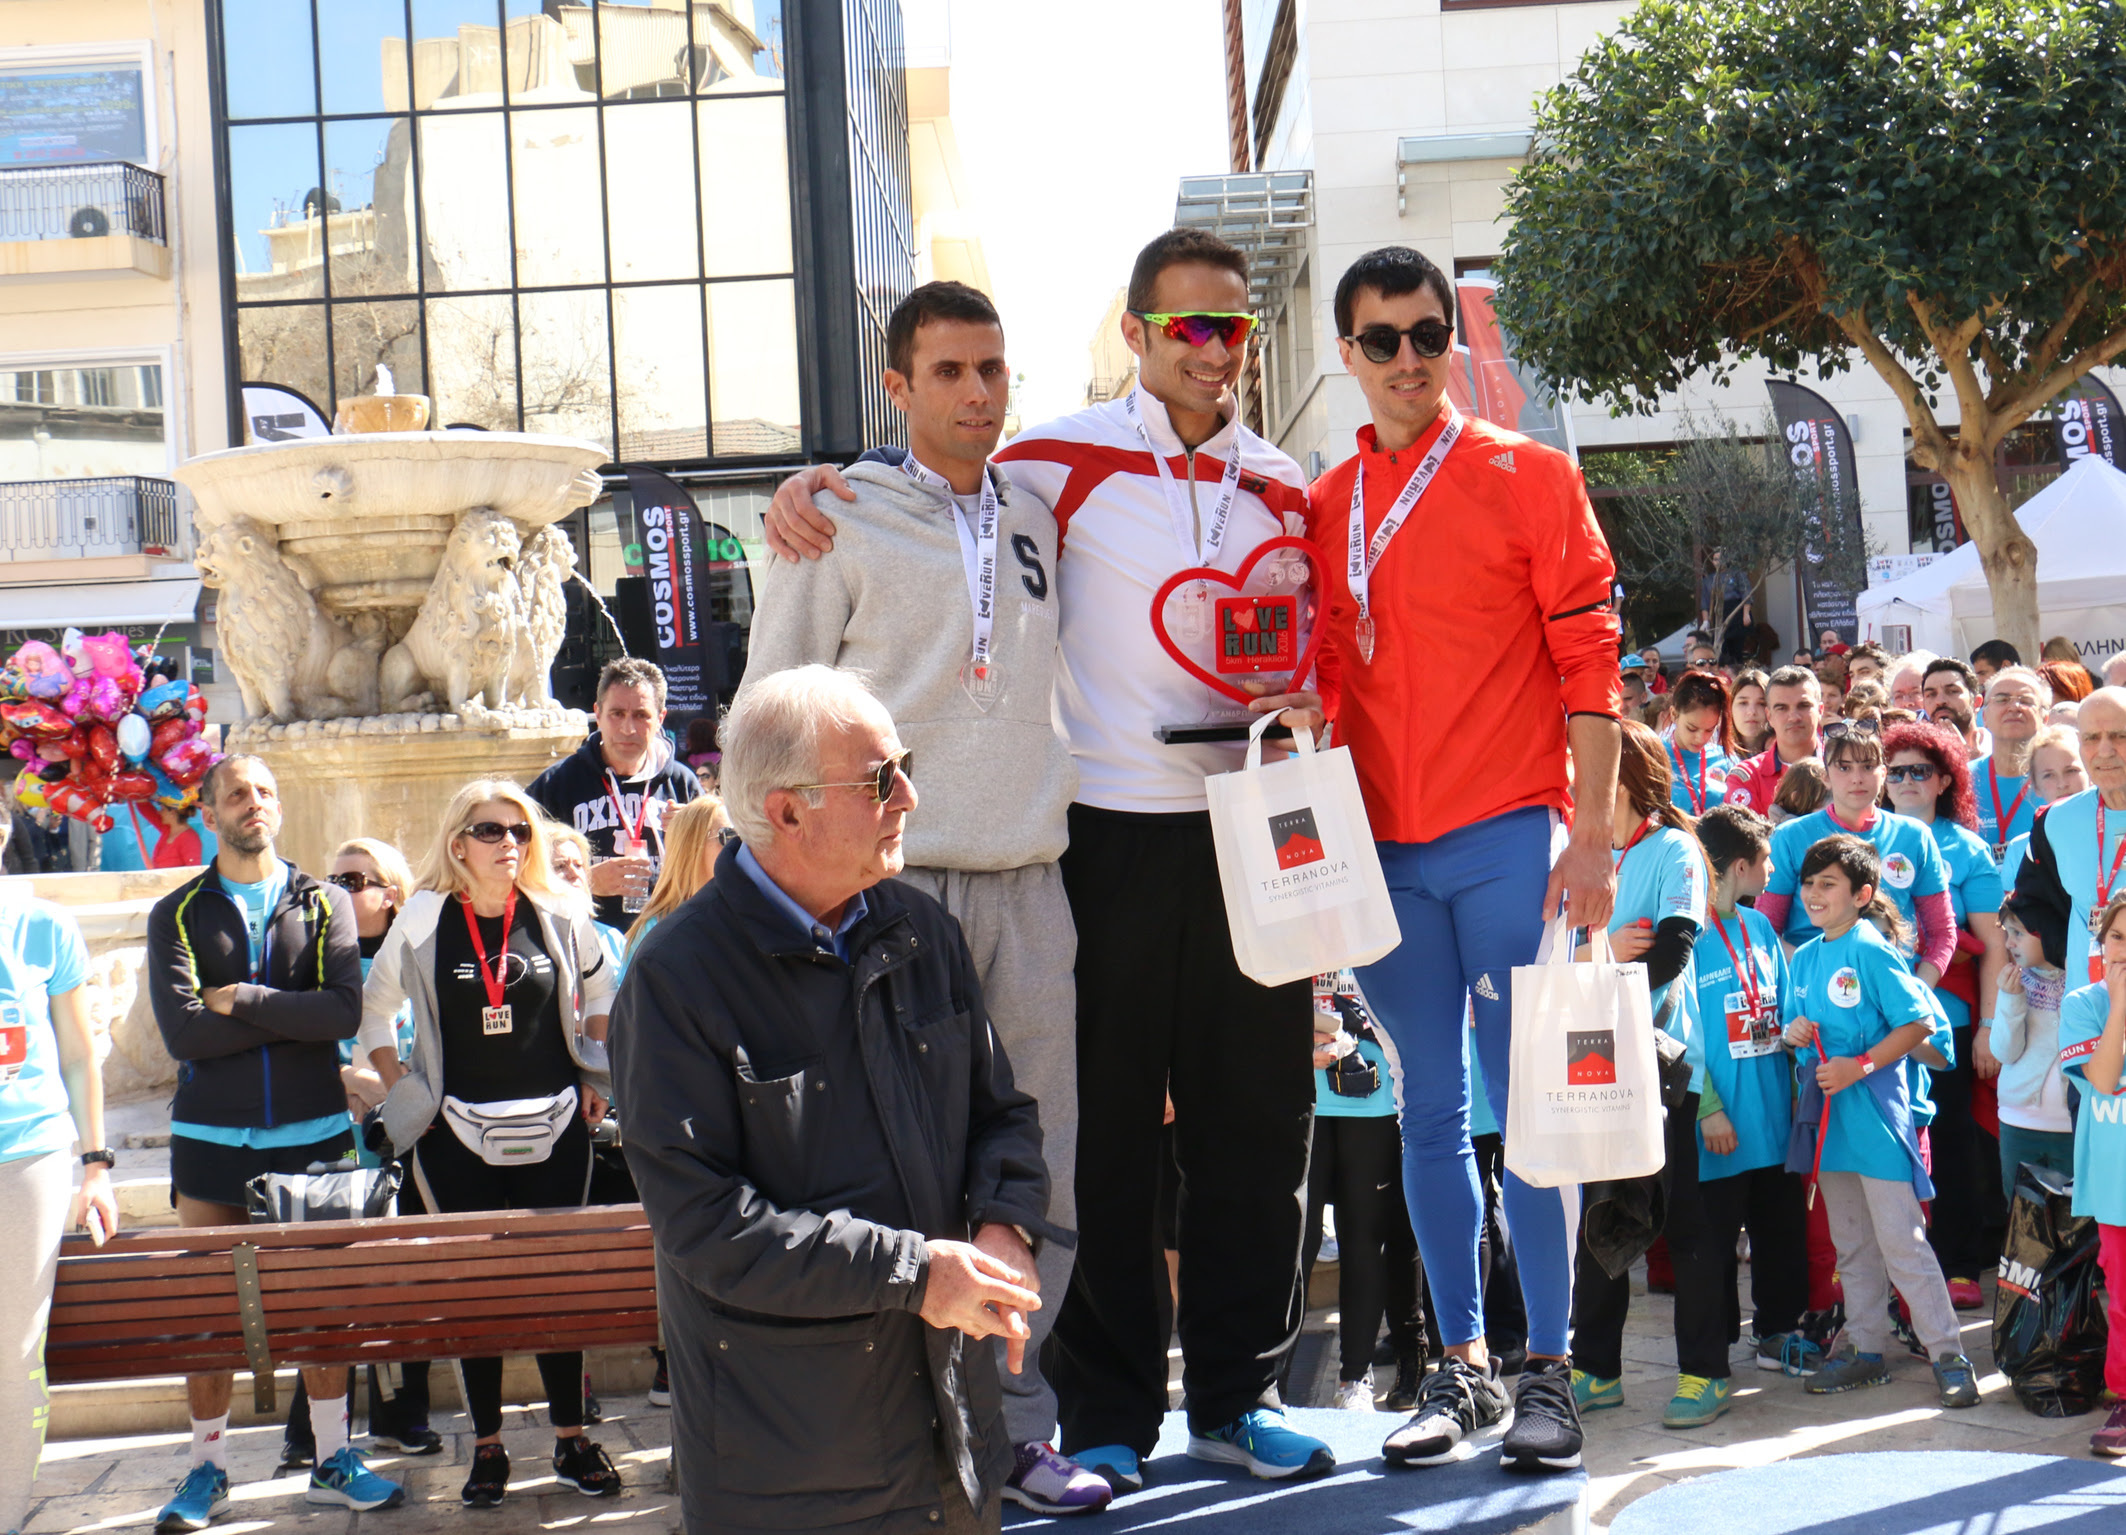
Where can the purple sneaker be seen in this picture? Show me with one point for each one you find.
(1049, 1483)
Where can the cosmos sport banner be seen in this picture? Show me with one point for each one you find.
(1819, 447)
(669, 525)
(2086, 420)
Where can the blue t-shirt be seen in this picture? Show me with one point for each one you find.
(41, 956)
(1379, 1102)
(1857, 989)
(2012, 862)
(2070, 830)
(1974, 886)
(2010, 800)
(258, 901)
(1911, 864)
(2100, 1129)
(1744, 1060)
(1664, 876)
(1687, 768)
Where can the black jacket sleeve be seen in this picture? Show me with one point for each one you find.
(1673, 941)
(333, 1008)
(190, 1030)
(2038, 880)
(1007, 1178)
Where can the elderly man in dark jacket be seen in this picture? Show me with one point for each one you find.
(843, 1180)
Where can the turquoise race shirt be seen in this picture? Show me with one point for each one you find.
(2071, 831)
(2100, 1130)
(1745, 1062)
(1698, 780)
(41, 957)
(1663, 876)
(1911, 864)
(1856, 989)
(2007, 807)
(1974, 886)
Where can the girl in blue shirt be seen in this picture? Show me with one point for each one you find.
(1697, 747)
(2092, 1052)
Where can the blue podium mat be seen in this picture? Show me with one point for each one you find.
(1891, 1492)
(1361, 1497)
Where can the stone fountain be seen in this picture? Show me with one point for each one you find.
(390, 605)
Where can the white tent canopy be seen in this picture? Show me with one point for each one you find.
(2078, 523)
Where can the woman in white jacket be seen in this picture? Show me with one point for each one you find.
(507, 980)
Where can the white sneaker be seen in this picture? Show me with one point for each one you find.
(1355, 1395)
(1331, 1250)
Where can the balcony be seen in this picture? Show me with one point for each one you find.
(117, 517)
(88, 220)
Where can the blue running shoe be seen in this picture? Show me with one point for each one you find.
(1115, 1464)
(1260, 1441)
(200, 1496)
(345, 1482)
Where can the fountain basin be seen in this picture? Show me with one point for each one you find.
(370, 513)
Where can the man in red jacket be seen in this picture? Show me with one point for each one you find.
(1794, 705)
(1445, 530)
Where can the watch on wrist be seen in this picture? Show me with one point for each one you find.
(102, 1155)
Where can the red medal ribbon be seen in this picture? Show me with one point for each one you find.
(1633, 840)
(2105, 885)
(2001, 822)
(492, 984)
(1697, 800)
(1745, 975)
(642, 811)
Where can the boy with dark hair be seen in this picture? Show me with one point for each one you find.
(1391, 272)
(1993, 656)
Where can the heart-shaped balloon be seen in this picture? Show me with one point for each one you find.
(1236, 581)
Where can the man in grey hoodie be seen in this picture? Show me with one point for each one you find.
(940, 589)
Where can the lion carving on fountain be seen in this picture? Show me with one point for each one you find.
(292, 659)
(463, 646)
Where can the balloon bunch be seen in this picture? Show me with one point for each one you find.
(96, 725)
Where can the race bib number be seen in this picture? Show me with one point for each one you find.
(14, 1042)
(1751, 1031)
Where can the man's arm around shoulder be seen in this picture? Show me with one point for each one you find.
(804, 611)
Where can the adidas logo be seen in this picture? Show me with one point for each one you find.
(1484, 988)
(1503, 461)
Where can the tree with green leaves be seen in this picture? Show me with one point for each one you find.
(1936, 185)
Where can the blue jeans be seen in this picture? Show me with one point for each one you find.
(2052, 1149)
(1470, 906)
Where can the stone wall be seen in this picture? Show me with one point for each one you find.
(113, 912)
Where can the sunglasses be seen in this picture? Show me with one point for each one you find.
(355, 884)
(492, 832)
(1918, 772)
(1384, 343)
(1198, 328)
(1837, 728)
(881, 787)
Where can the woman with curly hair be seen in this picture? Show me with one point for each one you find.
(1930, 781)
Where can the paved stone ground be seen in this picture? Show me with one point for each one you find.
(118, 1484)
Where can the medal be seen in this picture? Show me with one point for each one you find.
(495, 1017)
(1362, 556)
(980, 677)
(1363, 631)
(495, 1020)
(1192, 614)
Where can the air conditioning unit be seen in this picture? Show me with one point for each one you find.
(90, 223)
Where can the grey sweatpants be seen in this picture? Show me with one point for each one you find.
(1881, 1238)
(34, 1192)
(1025, 947)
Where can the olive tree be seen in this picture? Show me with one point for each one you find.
(1937, 186)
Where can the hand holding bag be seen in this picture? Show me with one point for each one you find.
(1585, 1099)
(1304, 893)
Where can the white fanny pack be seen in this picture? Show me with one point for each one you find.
(516, 1133)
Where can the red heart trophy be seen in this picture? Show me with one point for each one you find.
(1265, 625)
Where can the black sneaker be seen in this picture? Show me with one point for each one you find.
(387, 1431)
(1453, 1403)
(1546, 1425)
(1409, 1379)
(661, 1387)
(297, 1454)
(1511, 1362)
(591, 1411)
(489, 1479)
(580, 1464)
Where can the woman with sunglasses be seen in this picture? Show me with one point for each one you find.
(507, 978)
(1929, 780)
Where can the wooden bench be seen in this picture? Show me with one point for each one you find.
(178, 1301)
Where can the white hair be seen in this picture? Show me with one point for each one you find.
(773, 732)
(2025, 675)
(2115, 671)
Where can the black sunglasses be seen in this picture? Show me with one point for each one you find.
(901, 762)
(1384, 343)
(1915, 772)
(356, 883)
(495, 831)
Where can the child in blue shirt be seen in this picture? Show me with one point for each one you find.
(1853, 1012)
(2092, 1048)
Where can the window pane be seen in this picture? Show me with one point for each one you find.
(267, 47)
(364, 335)
(544, 59)
(464, 202)
(560, 237)
(649, 188)
(286, 346)
(745, 186)
(457, 53)
(472, 352)
(662, 413)
(361, 50)
(643, 51)
(369, 176)
(77, 423)
(566, 382)
(737, 46)
(273, 207)
(753, 360)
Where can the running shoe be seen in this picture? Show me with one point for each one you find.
(344, 1481)
(1511, 1362)
(1848, 1370)
(1698, 1401)
(1592, 1393)
(2111, 1438)
(489, 1478)
(1355, 1395)
(297, 1454)
(1455, 1401)
(1956, 1380)
(1409, 1381)
(1049, 1483)
(1114, 1464)
(661, 1386)
(388, 1431)
(1965, 1295)
(1546, 1421)
(202, 1495)
(1769, 1350)
(580, 1464)
(1260, 1441)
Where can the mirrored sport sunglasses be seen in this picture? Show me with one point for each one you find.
(1837, 728)
(1198, 328)
(494, 831)
(881, 787)
(1383, 343)
(1913, 772)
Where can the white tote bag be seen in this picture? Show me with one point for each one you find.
(1585, 1099)
(1303, 889)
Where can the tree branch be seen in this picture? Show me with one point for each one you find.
(2096, 354)
(1954, 349)
(1928, 437)
(2047, 350)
